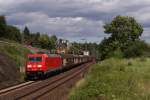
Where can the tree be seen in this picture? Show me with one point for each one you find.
(26, 34)
(37, 36)
(75, 49)
(3, 26)
(9, 31)
(44, 41)
(124, 28)
(13, 33)
(53, 40)
(2, 20)
(125, 32)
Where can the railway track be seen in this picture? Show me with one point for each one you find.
(41, 89)
(12, 88)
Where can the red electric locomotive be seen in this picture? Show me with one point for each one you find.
(39, 65)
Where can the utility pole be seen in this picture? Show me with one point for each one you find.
(22, 67)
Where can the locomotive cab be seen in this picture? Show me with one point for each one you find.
(35, 62)
(35, 65)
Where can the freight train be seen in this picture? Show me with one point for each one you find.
(41, 64)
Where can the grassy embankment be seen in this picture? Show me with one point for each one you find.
(14, 50)
(115, 79)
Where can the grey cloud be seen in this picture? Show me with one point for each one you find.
(73, 18)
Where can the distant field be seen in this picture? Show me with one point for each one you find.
(115, 79)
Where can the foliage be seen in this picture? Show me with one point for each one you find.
(26, 32)
(2, 26)
(124, 39)
(8, 31)
(78, 48)
(53, 41)
(116, 54)
(124, 28)
(115, 79)
(44, 41)
(136, 49)
(2, 20)
(15, 51)
(26, 35)
(13, 33)
(35, 39)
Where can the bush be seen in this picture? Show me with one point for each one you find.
(116, 54)
(136, 49)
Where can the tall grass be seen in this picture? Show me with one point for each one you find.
(116, 79)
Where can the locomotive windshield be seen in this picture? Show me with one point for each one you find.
(35, 59)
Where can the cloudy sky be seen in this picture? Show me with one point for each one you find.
(74, 19)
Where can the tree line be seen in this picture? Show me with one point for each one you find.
(26, 37)
(41, 40)
(123, 41)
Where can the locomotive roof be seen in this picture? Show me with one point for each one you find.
(49, 55)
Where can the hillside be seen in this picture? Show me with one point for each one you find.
(115, 79)
(9, 74)
(11, 59)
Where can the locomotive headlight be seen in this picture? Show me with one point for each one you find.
(39, 66)
(29, 66)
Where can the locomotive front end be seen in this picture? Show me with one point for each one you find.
(35, 66)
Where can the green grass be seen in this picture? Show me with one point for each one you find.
(15, 51)
(115, 79)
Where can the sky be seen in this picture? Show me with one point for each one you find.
(74, 20)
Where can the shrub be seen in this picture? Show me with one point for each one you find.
(116, 54)
(136, 49)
